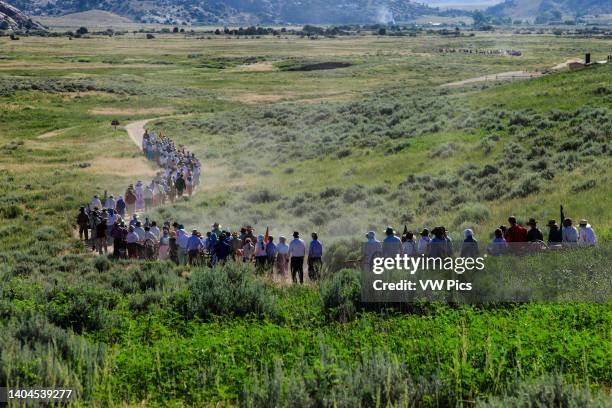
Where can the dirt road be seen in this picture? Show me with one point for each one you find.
(503, 76)
(136, 130)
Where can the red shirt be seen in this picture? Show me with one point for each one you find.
(516, 233)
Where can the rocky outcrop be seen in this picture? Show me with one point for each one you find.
(12, 18)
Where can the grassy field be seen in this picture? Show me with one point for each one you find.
(339, 151)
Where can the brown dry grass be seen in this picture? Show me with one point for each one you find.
(257, 67)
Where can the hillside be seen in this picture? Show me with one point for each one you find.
(543, 11)
(240, 11)
(90, 18)
(13, 18)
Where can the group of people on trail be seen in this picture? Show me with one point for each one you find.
(171, 242)
(180, 175)
(512, 239)
(219, 245)
(101, 222)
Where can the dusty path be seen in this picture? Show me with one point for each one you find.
(502, 76)
(136, 129)
(53, 133)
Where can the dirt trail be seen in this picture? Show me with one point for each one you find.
(136, 129)
(502, 76)
(53, 133)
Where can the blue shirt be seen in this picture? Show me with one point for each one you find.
(271, 250)
(194, 243)
(316, 249)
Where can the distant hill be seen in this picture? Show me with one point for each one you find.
(233, 12)
(91, 18)
(13, 18)
(543, 11)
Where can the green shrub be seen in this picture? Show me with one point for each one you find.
(33, 351)
(341, 295)
(550, 391)
(263, 196)
(583, 185)
(338, 254)
(230, 290)
(80, 308)
(473, 213)
(527, 185)
(378, 379)
(102, 263)
(46, 234)
(11, 211)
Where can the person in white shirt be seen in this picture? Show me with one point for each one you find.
(110, 203)
(587, 234)
(148, 235)
(155, 230)
(96, 203)
(569, 233)
(132, 243)
(423, 242)
(282, 256)
(409, 246)
(181, 242)
(297, 250)
(139, 231)
(372, 249)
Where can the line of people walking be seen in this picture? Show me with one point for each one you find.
(512, 239)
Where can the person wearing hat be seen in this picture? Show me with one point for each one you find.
(587, 234)
(83, 223)
(216, 229)
(250, 235)
(247, 250)
(315, 254)
(534, 234)
(132, 243)
(119, 234)
(194, 245)
(297, 251)
(469, 248)
(261, 256)
(110, 203)
(173, 247)
(438, 247)
(236, 244)
(181, 242)
(130, 200)
(569, 233)
(409, 245)
(101, 229)
(271, 252)
(95, 202)
(372, 249)
(223, 249)
(120, 207)
(423, 242)
(138, 229)
(554, 233)
(392, 245)
(448, 241)
(282, 256)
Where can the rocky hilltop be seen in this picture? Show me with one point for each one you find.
(13, 18)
